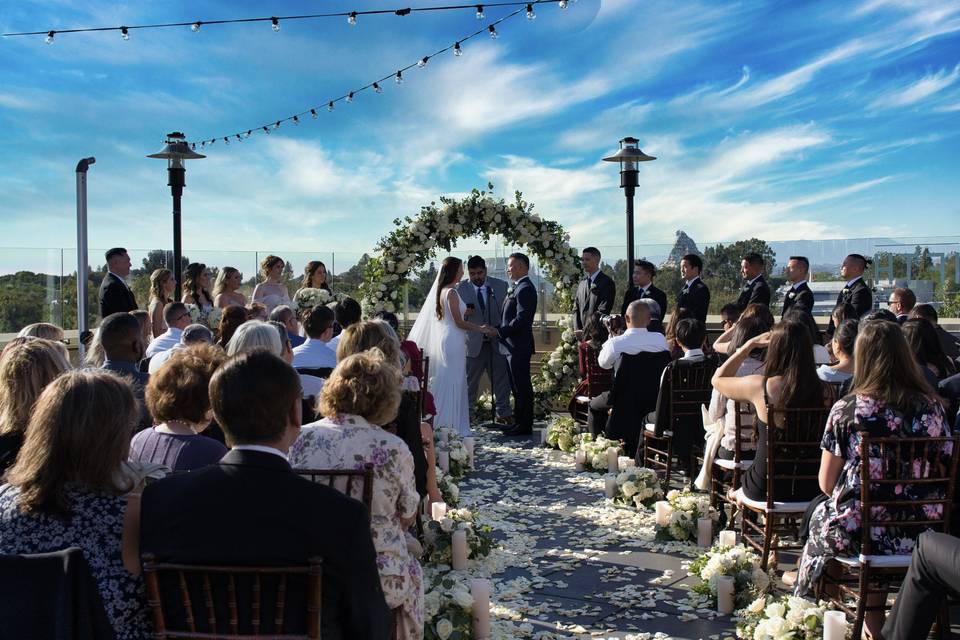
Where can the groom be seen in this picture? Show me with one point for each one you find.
(516, 334)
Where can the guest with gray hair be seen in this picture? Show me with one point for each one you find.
(255, 335)
(192, 334)
(285, 315)
(656, 314)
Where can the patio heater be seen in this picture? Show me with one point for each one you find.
(628, 156)
(175, 151)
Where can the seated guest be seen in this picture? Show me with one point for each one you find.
(43, 330)
(179, 402)
(233, 316)
(901, 302)
(122, 340)
(414, 365)
(317, 352)
(670, 333)
(347, 313)
(595, 334)
(760, 311)
(884, 315)
(310, 385)
(26, 368)
(656, 314)
(922, 340)
(889, 399)
(253, 510)
(729, 314)
(842, 345)
(177, 317)
(258, 311)
(789, 380)
(94, 356)
(949, 344)
(192, 334)
(285, 315)
(255, 335)
(843, 311)
(67, 490)
(145, 329)
(691, 335)
(820, 353)
(362, 393)
(934, 574)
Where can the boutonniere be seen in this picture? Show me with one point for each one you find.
(593, 288)
(792, 295)
(510, 290)
(746, 287)
(685, 290)
(846, 291)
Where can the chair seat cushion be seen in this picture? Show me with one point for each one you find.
(652, 428)
(583, 399)
(893, 561)
(731, 465)
(778, 507)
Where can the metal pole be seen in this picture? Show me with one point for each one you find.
(628, 179)
(176, 182)
(82, 168)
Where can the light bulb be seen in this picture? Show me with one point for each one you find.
(195, 27)
(423, 62)
(330, 106)
(203, 144)
(239, 139)
(226, 141)
(457, 51)
(350, 97)
(493, 32)
(563, 4)
(249, 132)
(296, 120)
(377, 88)
(352, 19)
(276, 23)
(124, 33)
(399, 77)
(266, 130)
(313, 112)
(480, 15)
(530, 14)
(276, 125)
(213, 142)
(49, 38)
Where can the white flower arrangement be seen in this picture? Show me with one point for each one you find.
(213, 317)
(740, 563)
(770, 618)
(310, 297)
(563, 433)
(449, 440)
(194, 312)
(447, 607)
(438, 536)
(686, 507)
(448, 488)
(595, 451)
(638, 487)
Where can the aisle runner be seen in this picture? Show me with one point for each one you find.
(570, 564)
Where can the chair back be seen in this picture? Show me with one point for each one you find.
(793, 452)
(233, 603)
(686, 386)
(319, 372)
(745, 420)
(907, 487)
(599, 379)
(356, 483)
(424, 380)
(308, 410)
(634, 395)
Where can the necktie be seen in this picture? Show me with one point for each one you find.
(641, 292)
(483, 306)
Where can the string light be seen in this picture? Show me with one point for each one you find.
(423, 61)
(275, 21)
(226, 141)
(562, 4)
(352, 19)
(313, 112)
(266, 130)
(276, 125)
(330, 106)
(377, 88)
(480, 15)
(124, 33)
(399, 77)
(457, 51)
(296, 121)
(49, 38)
(493, 32)
(239, 139)
(530, 14)
(350, 97)
(195, 27)
(249, 132)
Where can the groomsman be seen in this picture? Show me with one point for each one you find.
(799, 296)
(695, 294)
(643, 274)
(856, 291)
(596, 292)
(756, 290)
(486, 294)
(115, 295)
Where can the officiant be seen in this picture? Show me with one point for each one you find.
(485, 295)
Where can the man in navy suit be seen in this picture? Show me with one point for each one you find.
(115, 295)
(799, 296)
(695, 295)
(755, 289)
(856, 291)
(516, 334)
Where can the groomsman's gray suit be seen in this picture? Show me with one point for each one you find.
(481, 349)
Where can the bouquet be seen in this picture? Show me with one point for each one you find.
(448, 489)
(686, 507)
(309, 297)
(768, 617)
(213, 318)
(740, 563)
(449, 440)
(195, 314)
(438, 537)
(447, 607)
(596, 451)
(638, 487)
(564, 434)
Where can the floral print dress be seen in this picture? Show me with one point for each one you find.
(835, 523)
(349, 442)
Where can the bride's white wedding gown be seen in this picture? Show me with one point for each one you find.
(448, 369)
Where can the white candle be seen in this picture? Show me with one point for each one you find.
(438, 510)
(613, 464)
(459, 544)
(480, 590)
(468, 444)
(704, 532)
(579, 458)
(543, 437)
(610, 486)
(443, 459)
(834, 625)
(444, 437)
(725, 586)
(662, 508)
(728, 538)
(626, 462)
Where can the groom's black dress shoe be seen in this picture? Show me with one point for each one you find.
(518, 431)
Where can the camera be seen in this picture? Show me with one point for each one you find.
(614, 323)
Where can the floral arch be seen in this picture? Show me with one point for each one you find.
(416, 240)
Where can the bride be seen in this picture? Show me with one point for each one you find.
(441, 331)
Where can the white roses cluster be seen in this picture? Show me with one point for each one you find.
(638, 487)
(310, 297)
(767, 618)
(686, 507)
(438, 536)
(738, 562)
(595, 451)
(450, 441)
(563, 433)
(558, 371)
(447, 607)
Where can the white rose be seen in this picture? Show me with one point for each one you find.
(629, 489)
(446, 525)
(462, 598)
(458, 454)
(444, 628)
(775, 610)
(497, 218)
(757, 606)
(431, 604)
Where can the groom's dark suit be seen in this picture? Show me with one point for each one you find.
(516, 332)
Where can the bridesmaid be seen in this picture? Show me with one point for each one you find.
(271, 292)
(162, 286)
(196, 287)
(226, 289)
(315, 276)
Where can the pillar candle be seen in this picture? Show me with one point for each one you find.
(468, 444)
(444, 437)
(834, 625)
(725, 586)
(704, 532)
(613, 464)
(480, 590)
(438, 510)
(579, 458)
(543, 437)
(662, 508)
(610, 486)
(459, 544)
(443, 459)
(728, 538)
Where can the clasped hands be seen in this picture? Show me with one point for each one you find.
(490, 332)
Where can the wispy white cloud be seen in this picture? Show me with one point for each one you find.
(917, 91)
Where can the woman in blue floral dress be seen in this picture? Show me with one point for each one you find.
(361, 393)
(889, 399)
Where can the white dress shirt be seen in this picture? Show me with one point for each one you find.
(259, 447)
(166, 340)
(850, 282)
(315, 354)
(310, 385)
(689, 282)
(633, 340)
(157, 361)
(798, 285)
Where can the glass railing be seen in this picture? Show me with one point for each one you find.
(39, 285)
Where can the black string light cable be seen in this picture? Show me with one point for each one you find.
(275, 21)
(377, 85)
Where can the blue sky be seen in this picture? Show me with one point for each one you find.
(782, 120)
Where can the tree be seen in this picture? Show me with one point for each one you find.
(420, 287)
(160, 259)
(349, 281)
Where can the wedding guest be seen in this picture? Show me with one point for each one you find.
(884, 315)
(820, 353)
(179, 402)
(94, 356)
(889, 399)
(347, 313)
(922, 340)
(115, 294)
(272, 291)
(934, 574)
(66, 489)
(729, 314)
(255, 335)
(123, 346)
(253, 510)
(799, 296)
(285, 316)
(317, 351)
(844, 339)
(226, 289)
(362, 393)
(146, 330)
(233, 316)
(162, 288)
(670, 333)
(843, 311)
(656, 313)
(695, 294)
(310, 385)
(643, 274)
(414, 361)
(26, 368)
(192, 335)
(177, 317)
(196, 287)
(723, 344)
(315, 276)
(855, 291)
(756, 290)
(43, 330)
(901, 302)
(789, 380)
(257, 311)
(949, 344)
(595, 293)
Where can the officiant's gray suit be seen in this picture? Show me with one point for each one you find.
(484, 352)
